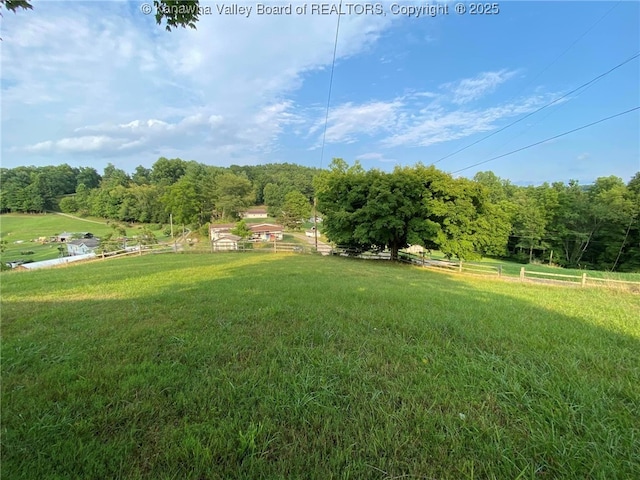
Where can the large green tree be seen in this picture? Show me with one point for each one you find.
(466, 224)
(89, 177)
(233, 195)
(295, 210)
(181, 200)
(411, 205)
(529, 226)
(167, 171)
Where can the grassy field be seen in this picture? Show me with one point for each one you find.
(18, 226)
(25, 228)
(298, 366)
(513, 269)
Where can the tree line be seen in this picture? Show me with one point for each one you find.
(594, 226)
(568, 224)
(193, 193)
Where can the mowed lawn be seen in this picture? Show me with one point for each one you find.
(25, 227)
(257, 365)
(511, 268)
(21, 232)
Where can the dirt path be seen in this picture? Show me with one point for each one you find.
(323, 248)
(77, 218)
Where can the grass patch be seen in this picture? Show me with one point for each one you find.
(21, 232)
(27, 228)
(512, 269)
(257, 221)
(288, 366)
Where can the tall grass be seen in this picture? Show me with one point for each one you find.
(290, 366)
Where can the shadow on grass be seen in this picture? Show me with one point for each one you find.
(268, 366)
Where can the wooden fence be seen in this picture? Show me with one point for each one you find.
(243, 247)
(582, 280)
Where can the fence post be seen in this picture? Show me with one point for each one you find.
(521, 274)
(499, 270)
(460, 266)
(584, 279)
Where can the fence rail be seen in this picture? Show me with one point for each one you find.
(611, 280)
(583, 280)
(417, 260)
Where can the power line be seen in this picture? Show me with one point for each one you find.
(549, 66)
(536, 77)
(333, 64)
(572, 45)
(542, 108)
(547, 140)
(326, 122)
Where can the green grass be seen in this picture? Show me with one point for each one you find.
(510, 268)
(255, 221)
(18, 226)
(26, 228)
(298, 366)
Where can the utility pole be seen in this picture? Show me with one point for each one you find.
(315, 221)
(175, 246)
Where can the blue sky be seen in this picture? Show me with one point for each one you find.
(91, 83)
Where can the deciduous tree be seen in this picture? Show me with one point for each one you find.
(233, 195)
(241, 229)
(295, 210)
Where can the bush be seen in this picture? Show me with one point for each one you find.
(204, 230)
(68, 205)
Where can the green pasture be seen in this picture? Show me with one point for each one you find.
(21, 231)
(279, 366)
(511, 268)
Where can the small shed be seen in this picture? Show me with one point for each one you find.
(256, 212)
(218, 230)
(226, 243)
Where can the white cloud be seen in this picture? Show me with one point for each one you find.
(437, 125)
(253, 132)
(376, 157)
(470, 89)
(98, 80)
(104, 78)
(420, 119)
(91, 143)
(348, 121)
